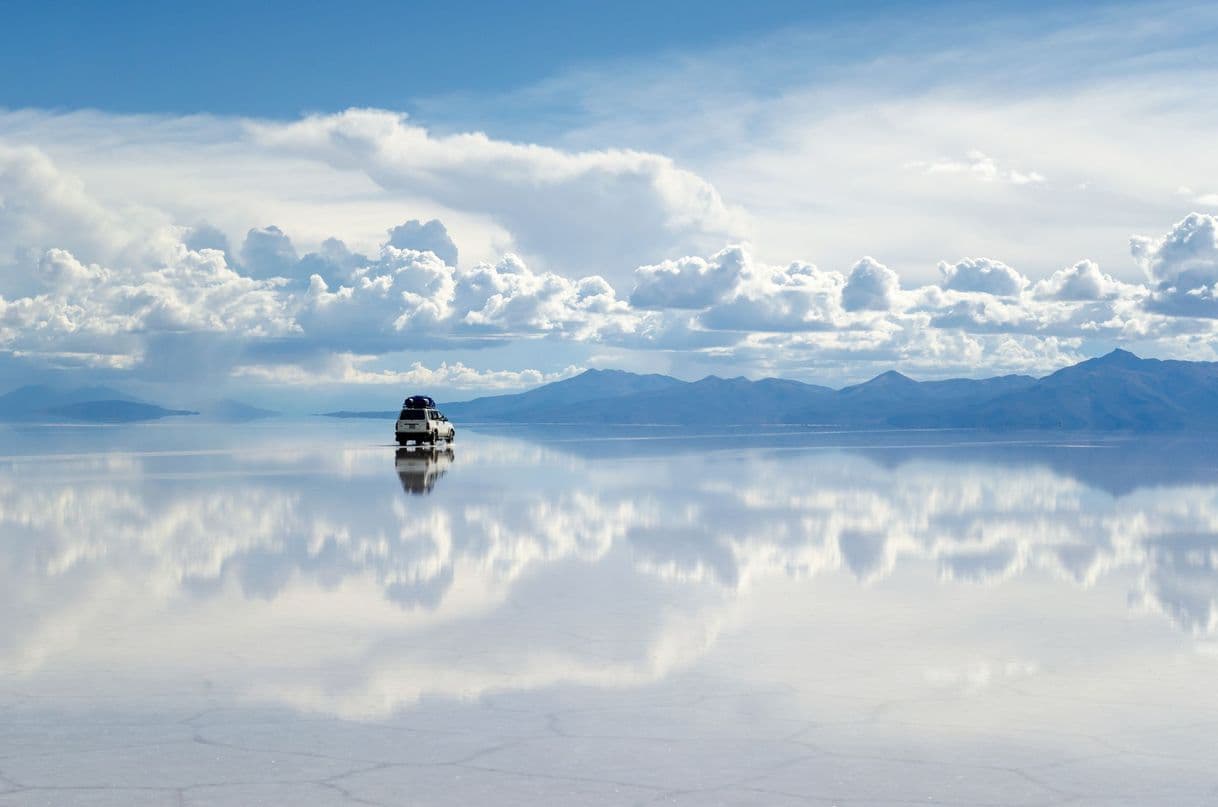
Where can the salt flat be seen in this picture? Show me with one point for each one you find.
(297, 612)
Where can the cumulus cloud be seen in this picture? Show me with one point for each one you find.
(351, 368)
(157, 317)
(144, 296)
(733, 292)
(42, 207)
(982, 275)
(689, 282)
(204, 236)
(430, 236)
(870, 287)
(554, 204)
(979, 314)
(798, 297)
(409, 298)
(86, 309)
(402, 292)
(508, 298)
(1082, 281)
(163, 299)
(268, 252)
(1182, 267)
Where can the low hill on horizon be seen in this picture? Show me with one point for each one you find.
(229, 411)
(99, 404)
(115, 411)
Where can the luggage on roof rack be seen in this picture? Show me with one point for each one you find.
(419, 402)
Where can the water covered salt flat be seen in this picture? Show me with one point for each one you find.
(244, 617)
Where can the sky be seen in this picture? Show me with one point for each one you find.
(309, 205)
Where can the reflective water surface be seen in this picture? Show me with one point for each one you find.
(298, 612)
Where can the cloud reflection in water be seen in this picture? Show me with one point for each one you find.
(319, 578)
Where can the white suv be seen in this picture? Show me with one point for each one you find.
(423, 425)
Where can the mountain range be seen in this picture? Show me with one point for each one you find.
(1115, 392)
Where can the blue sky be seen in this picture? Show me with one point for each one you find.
(281, 59)
(331, 203)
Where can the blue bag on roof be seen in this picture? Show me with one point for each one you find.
(419, 402)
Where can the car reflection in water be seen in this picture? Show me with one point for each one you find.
(420, 467)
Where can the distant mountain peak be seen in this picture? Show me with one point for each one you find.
(720, 381)
(891, 378)
(892, 375)
(1116, 357)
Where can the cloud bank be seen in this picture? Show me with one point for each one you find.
(132, 290)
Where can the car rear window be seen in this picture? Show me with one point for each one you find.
(413, 414)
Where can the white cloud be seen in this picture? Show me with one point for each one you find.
(408, 298)
(1182, 267)
(689, 282)
(350, 368)
(984, 313)
(429, 236)
(42, 207)
(870, 287)
(798, 297)
(402, 292)
(508, 298)
(980, 166)
(148, 297)
(982, 275)
(1202, 199)
(268, 252)
(88, 309)
(591, 211)
(1083, 281)
(819, 157)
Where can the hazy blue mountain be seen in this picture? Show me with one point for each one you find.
(714, 400)
(1118, 391)
(41, 402)
(230, 411)
(113, 411)
(33, 401)
(589, 386)
(710, 400)
(892, 399)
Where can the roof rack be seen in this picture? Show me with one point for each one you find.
(419, 402)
